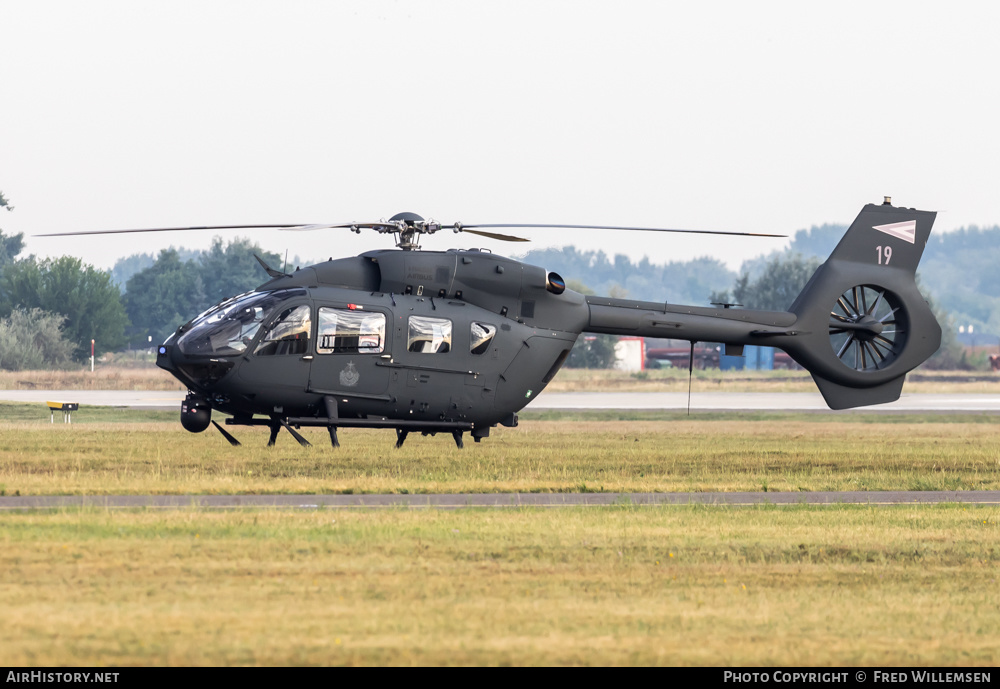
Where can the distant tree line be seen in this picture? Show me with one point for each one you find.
(957, 276)
(677, 282)
(173, 290)
(82, 295)
(50, 309)
(772, 282)
(32, 339)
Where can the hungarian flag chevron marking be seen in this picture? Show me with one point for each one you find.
(906, 231)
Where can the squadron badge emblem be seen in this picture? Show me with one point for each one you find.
(349, 377)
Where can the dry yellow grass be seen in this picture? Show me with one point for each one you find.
(103, 378)
(610, 586)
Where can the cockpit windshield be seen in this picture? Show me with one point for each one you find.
(228, 328)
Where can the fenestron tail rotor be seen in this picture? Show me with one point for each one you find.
(867, 327)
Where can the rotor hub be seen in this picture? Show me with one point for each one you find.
(408, 227)
(868, 328)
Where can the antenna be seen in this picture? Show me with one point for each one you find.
(285, 268)
(690, 375)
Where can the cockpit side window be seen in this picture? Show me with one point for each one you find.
(287, 335)
(228, 328)
(428, 335)
(481, 337)
(344, 331)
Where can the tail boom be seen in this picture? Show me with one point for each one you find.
(695, 323)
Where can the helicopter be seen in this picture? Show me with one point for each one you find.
(460, 341)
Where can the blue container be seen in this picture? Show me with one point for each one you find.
(731, 363)
(759, 358)
(754, 359)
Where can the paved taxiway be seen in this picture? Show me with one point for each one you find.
(495, 500)
(669, 401)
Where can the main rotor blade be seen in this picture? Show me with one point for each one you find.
(496, 235)
(391, 227)
(175, 229)
(638, 229)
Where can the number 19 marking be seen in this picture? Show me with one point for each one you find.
(884, 252)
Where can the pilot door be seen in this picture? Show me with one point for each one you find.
(280, 359)
(352, 348)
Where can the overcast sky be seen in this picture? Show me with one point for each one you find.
(746, 116)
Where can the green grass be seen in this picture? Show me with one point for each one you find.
(623, 585)
(784, 452)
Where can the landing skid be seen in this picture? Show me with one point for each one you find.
(402, 428)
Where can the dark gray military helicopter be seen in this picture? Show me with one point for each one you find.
(461, 340)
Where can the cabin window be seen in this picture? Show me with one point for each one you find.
(429, 335)
(287, 335)
(343, 331)
(482, 336)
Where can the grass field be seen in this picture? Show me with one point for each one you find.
(610, 586)
(621, 585)
(148, 452)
